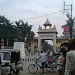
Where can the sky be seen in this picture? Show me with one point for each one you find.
(35, 12)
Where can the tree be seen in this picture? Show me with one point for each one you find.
(26, 33)
(70, 23)
(7, 30)
(47, 46)
(25, 30)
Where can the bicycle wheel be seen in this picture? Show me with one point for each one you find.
(54, 68)
(32, 68)
(48, 69)
(51, 68)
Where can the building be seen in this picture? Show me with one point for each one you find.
(46, 34)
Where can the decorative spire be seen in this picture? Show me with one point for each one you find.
(40, 27)
(47, 23)
(54, 27)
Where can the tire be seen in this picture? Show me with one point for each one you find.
(32, 68)
(17, 72)
(51, 68)
(54, 67)
(14, 72)
(48, 69)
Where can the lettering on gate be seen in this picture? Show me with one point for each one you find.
(46, 36)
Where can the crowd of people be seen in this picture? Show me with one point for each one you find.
(67, 60)
(47, 59)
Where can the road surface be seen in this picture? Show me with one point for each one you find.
(25, 70)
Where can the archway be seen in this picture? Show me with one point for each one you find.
(48, 34)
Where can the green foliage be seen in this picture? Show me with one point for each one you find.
(25, 30)
(10, 32)
(6, 28)
(47, 46)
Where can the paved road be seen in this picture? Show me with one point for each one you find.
(25, 70)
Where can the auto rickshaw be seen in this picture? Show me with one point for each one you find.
(10, 62)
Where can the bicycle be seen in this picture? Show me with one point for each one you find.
(33, 68)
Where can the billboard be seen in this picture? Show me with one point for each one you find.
(66, 29)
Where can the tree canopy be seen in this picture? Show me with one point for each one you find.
(19, 30)
(47, 46)
(6, 28)
(24, 30)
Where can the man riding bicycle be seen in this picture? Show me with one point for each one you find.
(43, 59)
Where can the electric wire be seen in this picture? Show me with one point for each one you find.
(43, 15)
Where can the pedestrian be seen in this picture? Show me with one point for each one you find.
(63, 58)
(43, 59)
(49, 58)
(70, 60)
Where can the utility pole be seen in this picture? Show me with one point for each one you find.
(69, 15)
(71, 10)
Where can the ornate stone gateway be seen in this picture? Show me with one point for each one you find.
(47, 34)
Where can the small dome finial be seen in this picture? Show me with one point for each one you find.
(54, 27)
(47, 23)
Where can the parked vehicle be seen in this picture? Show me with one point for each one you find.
(10, 62)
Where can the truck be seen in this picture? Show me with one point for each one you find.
(10, 62)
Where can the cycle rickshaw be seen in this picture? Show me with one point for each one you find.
(33, 68)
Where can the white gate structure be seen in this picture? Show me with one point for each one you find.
(47, 33)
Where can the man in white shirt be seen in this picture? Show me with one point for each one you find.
(70, 61)
(43, 59)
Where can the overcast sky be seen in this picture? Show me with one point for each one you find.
(35, 12)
